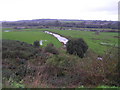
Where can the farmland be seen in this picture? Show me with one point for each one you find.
(93, 40)
(31, 36)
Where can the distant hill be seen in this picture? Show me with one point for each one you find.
(61, 23)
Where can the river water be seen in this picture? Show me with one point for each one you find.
(7, 30)
(60, 38)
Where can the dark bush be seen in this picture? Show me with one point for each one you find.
(111, 65)
(77, 47)
(51, 49)
(36, 44)
(60, 68)
(15, 49)
(63, 61)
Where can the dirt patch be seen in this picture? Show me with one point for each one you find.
(116, 37)
(99, 39)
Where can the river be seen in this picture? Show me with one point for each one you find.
(60, 38)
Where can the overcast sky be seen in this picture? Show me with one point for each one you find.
(12, 10)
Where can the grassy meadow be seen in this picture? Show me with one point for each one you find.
(30, 37)
(93, 40)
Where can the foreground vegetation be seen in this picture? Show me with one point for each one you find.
(26, 66)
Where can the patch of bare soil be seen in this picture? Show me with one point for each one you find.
(117, 37)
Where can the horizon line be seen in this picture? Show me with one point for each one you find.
(55, 18)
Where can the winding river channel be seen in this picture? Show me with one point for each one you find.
(60, 38)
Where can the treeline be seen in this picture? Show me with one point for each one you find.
(46, 23)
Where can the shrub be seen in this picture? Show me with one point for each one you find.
(51, 49)
(15, 55)
(36, 44)
(77, 47)
(63, 70)
(111, 67)
(63, 61)
(14, 49)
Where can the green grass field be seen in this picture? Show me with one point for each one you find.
(93, 40)
(30, 37)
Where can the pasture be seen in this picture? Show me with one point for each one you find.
(94, 41)
(30, 37)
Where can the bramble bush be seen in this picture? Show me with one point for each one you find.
(36, 44)
(15, 55)
(61, 70)
(111, 65)
(77, 47)
(51, 49)
(18, 49)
